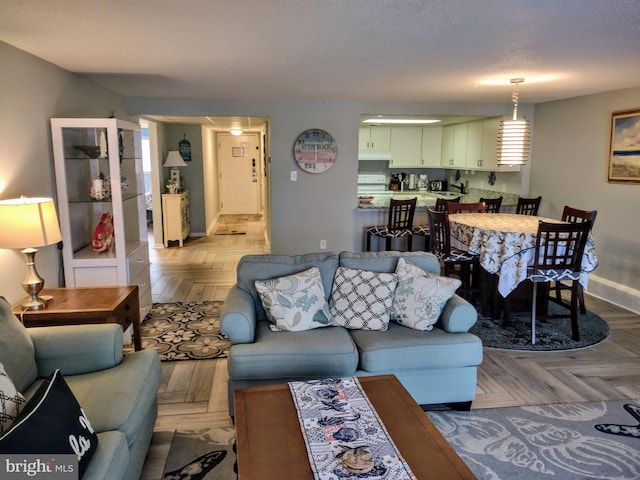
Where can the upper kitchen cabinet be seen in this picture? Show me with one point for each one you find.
(432, 147)
(375, 139)
(100, 186)
(482, 142)
(454, 146)
(406, 147)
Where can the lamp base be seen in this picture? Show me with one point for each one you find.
(34, 303)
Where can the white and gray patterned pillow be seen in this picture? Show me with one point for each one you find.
(420, 296)
(11, 401)
(361, 299)
(296, 302)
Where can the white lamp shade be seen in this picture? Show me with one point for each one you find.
(174, 159)
(514, 142)
(28, 223)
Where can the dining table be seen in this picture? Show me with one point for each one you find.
(505, 244)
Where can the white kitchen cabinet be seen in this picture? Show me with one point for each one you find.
(99, 179)
(175, 217)
(374, 139)
(454, 146)
(431, 146)
(406, 147)
(482, 143)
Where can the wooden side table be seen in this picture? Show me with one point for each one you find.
(82, 305)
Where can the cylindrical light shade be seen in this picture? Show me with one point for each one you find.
(174, 159)
(28, 223)
(514, 142)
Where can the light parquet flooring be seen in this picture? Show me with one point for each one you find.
(193, 394)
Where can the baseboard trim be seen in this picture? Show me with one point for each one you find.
(616, 293)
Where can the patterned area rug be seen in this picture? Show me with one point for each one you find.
(231, 229)
(202, 455)
(574, 441)
(185, 331)
(552, 335)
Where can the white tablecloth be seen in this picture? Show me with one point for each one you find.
(506, 243)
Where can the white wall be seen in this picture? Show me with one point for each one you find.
(569, 167)
(33, 91)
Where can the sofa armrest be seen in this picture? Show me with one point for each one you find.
(76, 349)
(458, 315)
(238, 316)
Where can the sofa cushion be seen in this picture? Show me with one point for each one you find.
(295, 302)
(420, 296)
(387, 261)
(362, 299)
(16, 349)
(11, 401)
(318, 353)
(401, 348)
(120, 397)
(52, 422)
(263, 267)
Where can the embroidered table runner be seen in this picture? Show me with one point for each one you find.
(344, 435)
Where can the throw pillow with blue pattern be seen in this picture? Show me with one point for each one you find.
(296, 302)
(420, 296)
(361, 299)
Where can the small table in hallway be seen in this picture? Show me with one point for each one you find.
(506, 242)
(271, 446)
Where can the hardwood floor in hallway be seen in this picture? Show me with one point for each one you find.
(193, 394)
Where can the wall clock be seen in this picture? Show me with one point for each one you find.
(315, 151)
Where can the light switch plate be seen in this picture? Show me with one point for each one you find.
(294, 176)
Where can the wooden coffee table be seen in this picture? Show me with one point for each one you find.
(82, 305)
(270, 444)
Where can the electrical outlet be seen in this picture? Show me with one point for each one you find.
(294, 176)
(323, 244)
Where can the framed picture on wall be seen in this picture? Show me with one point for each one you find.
(624, 155)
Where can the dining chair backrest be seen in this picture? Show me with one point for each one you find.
(455, 207)
(492, 205)
(441, 203)
(528, 206)
(439, 239)
(401, 214)
(559, 246)
(575, 215)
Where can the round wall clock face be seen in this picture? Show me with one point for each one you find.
(315, 151)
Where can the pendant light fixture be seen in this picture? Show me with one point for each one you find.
(514, 135)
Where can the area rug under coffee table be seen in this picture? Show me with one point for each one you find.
(185, 331)
(205, 454)
(574, 441)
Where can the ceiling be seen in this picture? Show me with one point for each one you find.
(370, 50)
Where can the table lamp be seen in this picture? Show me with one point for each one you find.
(174, 160)
(27, 223)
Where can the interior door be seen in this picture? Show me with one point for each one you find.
(239, 169)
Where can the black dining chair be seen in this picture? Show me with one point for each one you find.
(528, 206)
(557, 256)
(574, 215)
(399, 224)
(454, 262)
(492, 205)
(423, 228)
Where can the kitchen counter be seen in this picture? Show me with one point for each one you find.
(428, 199)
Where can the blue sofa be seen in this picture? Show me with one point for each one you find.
(436, 367)
(118, 395)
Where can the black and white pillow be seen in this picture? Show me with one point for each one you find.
(361, 299)
(52, 422)
(11, 401)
